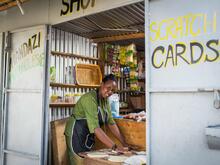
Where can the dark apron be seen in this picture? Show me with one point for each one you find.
(82, 139)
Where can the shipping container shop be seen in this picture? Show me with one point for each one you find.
(162, 62)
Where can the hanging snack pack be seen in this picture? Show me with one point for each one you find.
(133, 74)
(126, 72)
(109, 49)
(115, 61)
(131, 50)
(116, 70)
(134, 80)
(134, 63)
(122, 55)
(131, 61)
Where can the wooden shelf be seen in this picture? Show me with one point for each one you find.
(130, 91)
(141, 79)
(62, 104)
(125, 110)
(62, 85)
(71, 55)
(123, 107)
(119, 37)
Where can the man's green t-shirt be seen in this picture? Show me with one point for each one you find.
(87, 108)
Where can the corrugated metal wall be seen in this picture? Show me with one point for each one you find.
(65, 46)
(65, 42)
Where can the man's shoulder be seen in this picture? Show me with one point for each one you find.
(91, 95)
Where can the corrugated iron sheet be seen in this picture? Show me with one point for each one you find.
(126, 17)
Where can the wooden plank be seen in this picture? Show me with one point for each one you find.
(70, 55)
(131, 91)
(98, 161)
(4, 1)
(59, 142)
(10, 4)
(72, 85)
(125, 110)
(101, 63)
(62, 105)
(119, 38)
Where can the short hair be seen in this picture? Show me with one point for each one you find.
(109, 77)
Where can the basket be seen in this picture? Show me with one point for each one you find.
(137, 102)
(88, 75)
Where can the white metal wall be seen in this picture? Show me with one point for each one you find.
(181, 88)
(23, 98)
(1, 83)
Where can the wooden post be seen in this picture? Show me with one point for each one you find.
(101, 61)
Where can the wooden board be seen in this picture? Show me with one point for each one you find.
(95, 161)
(98, 161)
(119, 37)
(59, 142)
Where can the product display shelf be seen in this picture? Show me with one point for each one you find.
(61, 104)
(62, 85)
(131, 91)
(71, 55)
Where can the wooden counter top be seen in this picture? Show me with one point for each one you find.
(101, 161)
(98, 161)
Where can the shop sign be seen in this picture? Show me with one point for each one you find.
(175, 31)
(72, 6)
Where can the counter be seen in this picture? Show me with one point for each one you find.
(133, 132)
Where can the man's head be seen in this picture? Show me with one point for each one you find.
(108, 86)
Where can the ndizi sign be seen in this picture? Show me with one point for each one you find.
(27, 52)
(68, 5)
(27, 48)
(194, 51)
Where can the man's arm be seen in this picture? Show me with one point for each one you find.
(100, 134)
(114, 129)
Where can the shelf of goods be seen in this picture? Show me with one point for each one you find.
(67, 84)
(62, 85)
(61, 104)
(131, 92)
(71, 55)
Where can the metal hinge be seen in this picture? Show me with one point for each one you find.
(217, 99)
